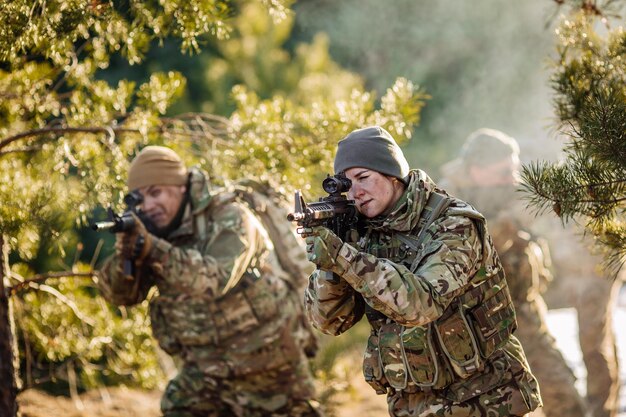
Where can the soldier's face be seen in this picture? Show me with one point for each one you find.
(504, 172)
(373, 192)
(161, 202)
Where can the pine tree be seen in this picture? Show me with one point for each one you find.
(589, 84)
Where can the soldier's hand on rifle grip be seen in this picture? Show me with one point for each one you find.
(322, 247)
(134, 244)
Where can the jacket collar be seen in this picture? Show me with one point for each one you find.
(407, 211)
(199, 198)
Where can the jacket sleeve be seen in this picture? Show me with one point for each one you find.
(332, 305)
(120, 289)
(235, 244)
(449, 258)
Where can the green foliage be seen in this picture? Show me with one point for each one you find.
(57, 118)
(589, 82)
(52, 29)
(69, 337)
(293, 144)
(65, 139)
(67, 134)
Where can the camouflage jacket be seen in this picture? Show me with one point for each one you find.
(441, 316)
(525, 257)
(222, 298)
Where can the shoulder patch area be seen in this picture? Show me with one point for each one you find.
(461, 208)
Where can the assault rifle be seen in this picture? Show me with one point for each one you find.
(335, 211)
(118, 223)
(121, 222)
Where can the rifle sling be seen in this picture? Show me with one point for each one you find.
(437, 203)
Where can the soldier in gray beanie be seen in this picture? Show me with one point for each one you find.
(417, 258)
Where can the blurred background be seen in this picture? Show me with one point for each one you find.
(433, 70)
(485, 65)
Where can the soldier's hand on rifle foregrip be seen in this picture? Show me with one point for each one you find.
(134, 244)
(322, 247)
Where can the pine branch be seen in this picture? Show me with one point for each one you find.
(65, 300)
(31, 283)
(197, 126)
(61, 130)
(557, 187)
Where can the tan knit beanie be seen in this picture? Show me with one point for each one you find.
(156, 165)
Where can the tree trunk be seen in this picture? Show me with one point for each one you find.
(8, 366)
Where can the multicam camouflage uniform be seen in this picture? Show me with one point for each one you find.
(224, 308)
(441, 317)
(525, 263)
(582, 282)
(525, 259)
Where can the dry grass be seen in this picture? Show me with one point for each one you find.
(352, 398)
(343, 390)
(112, 402)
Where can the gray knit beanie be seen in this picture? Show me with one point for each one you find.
(373, 148)
(487, 146)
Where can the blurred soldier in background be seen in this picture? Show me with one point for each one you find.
(583, 283)
(486, 175)
(223, 305)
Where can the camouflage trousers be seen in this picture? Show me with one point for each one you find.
(555, 377)
(286, 392)
(595, 303)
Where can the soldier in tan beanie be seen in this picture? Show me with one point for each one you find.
(160, 176)
(224, 306)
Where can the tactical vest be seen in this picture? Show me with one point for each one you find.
(455, 346)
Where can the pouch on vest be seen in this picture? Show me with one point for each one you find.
(493, 320)
(260, 296)
(391, 355)
(237, 313)
(426, 367)
(278, 351)
(167, 340)
(494, 373)
(200, 320)
(458, 342)
(182, 322)
(525, 381)
(372, 368)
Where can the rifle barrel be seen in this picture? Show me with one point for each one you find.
(99, 226)
(296, 217)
